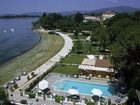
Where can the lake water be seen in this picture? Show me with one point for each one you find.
(16, 37)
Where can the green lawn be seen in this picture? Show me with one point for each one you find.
(87, 48)
(66, 69)
(73, 59)
(90, 103)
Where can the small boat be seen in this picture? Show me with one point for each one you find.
(12, 30)
(4, 31)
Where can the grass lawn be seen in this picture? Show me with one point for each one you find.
(90, 103)
(66, 69)
(87, 48)
(46, 49)
(73, 59)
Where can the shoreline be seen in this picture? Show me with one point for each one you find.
(25, 51)
(18, 65)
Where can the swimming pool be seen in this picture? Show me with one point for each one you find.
(83, 87)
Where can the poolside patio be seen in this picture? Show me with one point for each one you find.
(53, 77)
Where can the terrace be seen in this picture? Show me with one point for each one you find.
(53, 77)
(53, 92)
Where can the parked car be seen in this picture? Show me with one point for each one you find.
(18, 78)
(24, 73)
(12, 82)
(6, 86)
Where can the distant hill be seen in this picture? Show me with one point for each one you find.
(66, 13)
(119, 9)
(33, 13)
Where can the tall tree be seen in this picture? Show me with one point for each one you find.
(44, 14)
(4, 97)
(78, 17)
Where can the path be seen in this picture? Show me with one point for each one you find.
(47, 65)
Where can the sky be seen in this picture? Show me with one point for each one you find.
(24, 6)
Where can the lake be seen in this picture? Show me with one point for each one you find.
(16, 37)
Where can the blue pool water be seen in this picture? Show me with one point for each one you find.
(83, 87)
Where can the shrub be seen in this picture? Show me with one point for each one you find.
(23, 101)
(109, 102)
(32, 95)
(90, 103)
(51, 32)
(59, 98)
(31, 86)
(28, 78)
(33, 74)
(15, 86)
(79, 52)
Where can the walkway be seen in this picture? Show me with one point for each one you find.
(47, 65)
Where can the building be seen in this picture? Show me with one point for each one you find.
(90, 18)
(107, 15)
(96, 67)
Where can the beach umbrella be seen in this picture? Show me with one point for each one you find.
(73, 91)
(43, 85)
(97, 92)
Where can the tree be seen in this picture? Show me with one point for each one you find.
(2, 94)
(44, 15)
(28, 78)
(78, 17)
(125, 55)
(79, 46)
(100, 36)
(137, 15)
(33, 74)
(4, 97)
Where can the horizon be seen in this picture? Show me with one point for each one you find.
(64, 11)
(20, 7)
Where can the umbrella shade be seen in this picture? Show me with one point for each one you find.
(73, 91)
(95, 98)
(43, 85)
(97, 92)
(46, 90)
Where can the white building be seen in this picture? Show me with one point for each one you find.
(96, 67)
(91, 18)
(107, 15)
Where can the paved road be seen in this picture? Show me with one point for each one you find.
(47, 65)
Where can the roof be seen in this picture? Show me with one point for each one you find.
(90, 62)
(103, 63)
(109, 13)
(91, 56)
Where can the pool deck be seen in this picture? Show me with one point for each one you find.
(53, 77)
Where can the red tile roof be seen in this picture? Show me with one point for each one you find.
(103, 63)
